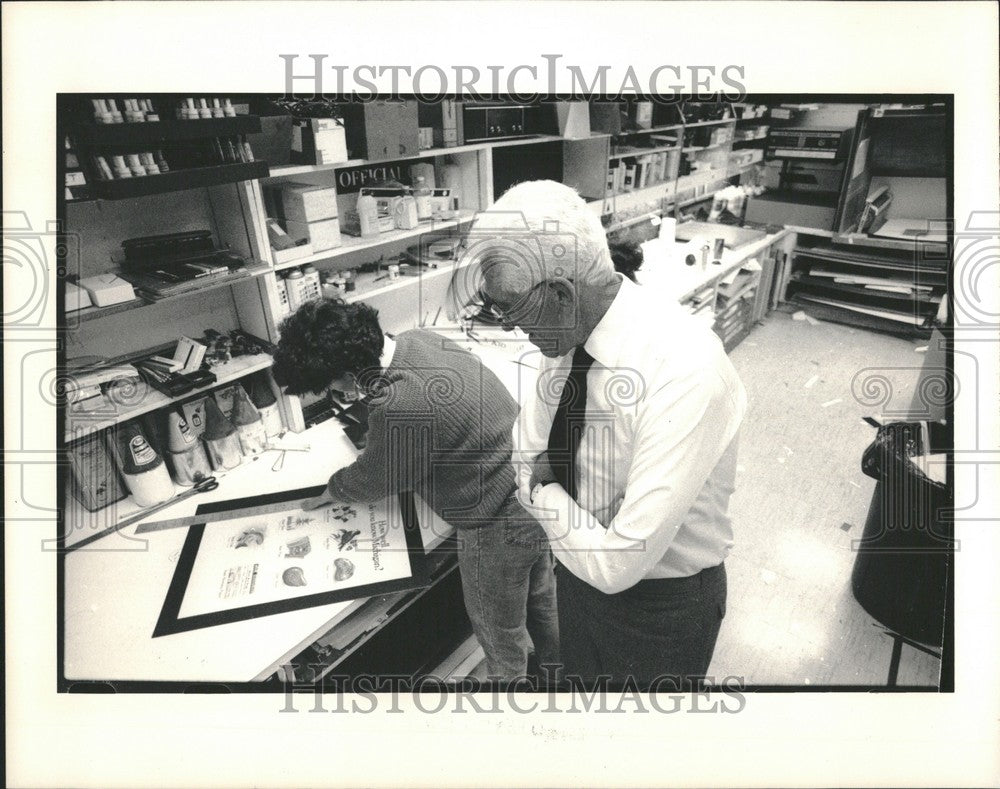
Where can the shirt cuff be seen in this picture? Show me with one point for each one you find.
(551, 509)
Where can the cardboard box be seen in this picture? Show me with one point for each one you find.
(225, 398)
(606, 116)
(93, 477)
(107, 289)
(573, 118)
(308, 202)
(445, 118)
(318, 141)
(378, 130)
(76, 298)
(303, 250)
(194, 415)
(273, 143)
(321, 235)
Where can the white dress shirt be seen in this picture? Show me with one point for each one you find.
(657, 458)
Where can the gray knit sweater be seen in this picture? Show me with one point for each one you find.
(442, 428)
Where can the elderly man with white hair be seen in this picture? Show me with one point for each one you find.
(625, 446)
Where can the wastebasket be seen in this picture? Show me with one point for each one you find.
(900, 573)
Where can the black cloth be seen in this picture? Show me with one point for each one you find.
(660, 633)
(568, 423)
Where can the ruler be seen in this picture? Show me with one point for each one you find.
(212, 517)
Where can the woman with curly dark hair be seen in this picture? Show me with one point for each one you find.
(440, 425)
(626, 257)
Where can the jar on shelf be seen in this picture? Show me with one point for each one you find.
(334, 286)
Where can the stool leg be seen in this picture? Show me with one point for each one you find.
(897, 652)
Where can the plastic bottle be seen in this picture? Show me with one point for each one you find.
(296, 289)
(282, 289)
(220, 437)
(404, 212)
(422, 194)
(451, 178)
(266, 403)
(368, 215)
(311, 285)
(142, 468)
(185, 452)
(425, 171)
(350, 282)
(249, 425)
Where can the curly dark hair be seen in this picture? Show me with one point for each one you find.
(627, 257)
(324, 340)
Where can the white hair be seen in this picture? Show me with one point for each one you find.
(559, 221)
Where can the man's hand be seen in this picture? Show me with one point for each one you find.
(541, 471)
(317, 501)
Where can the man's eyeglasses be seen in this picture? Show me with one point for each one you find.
(513, 315)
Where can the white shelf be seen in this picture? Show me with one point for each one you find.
(710, 123)
(627, 200)
(285, 171)
(367, 287)
(675, 127)
(81, 424)
(698, 149)
(95, 313)
(351, 244)
(643, 151)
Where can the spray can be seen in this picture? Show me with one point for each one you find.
(220, 438)
(263, 398)
(249, 425)
(185, 452)
(142, 468)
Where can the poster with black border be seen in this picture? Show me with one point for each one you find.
(286, 559)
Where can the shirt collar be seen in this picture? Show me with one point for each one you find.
(388, 351)
(605, 340)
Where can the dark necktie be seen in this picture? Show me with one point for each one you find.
(568, 423)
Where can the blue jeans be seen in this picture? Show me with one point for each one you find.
(510, 594)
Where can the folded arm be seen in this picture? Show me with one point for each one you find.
(681, 432)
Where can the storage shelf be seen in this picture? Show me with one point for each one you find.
(153, 132)
(699, 149)
(860, 241)
(178, 180)
(93, 313)
(721, 122)
(284, 171)
(354, 244)
(674, 127)
(81, 424)
(666, 191)
(368, 288)
(641, 151)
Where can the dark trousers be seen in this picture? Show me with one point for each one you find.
(660, 633)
